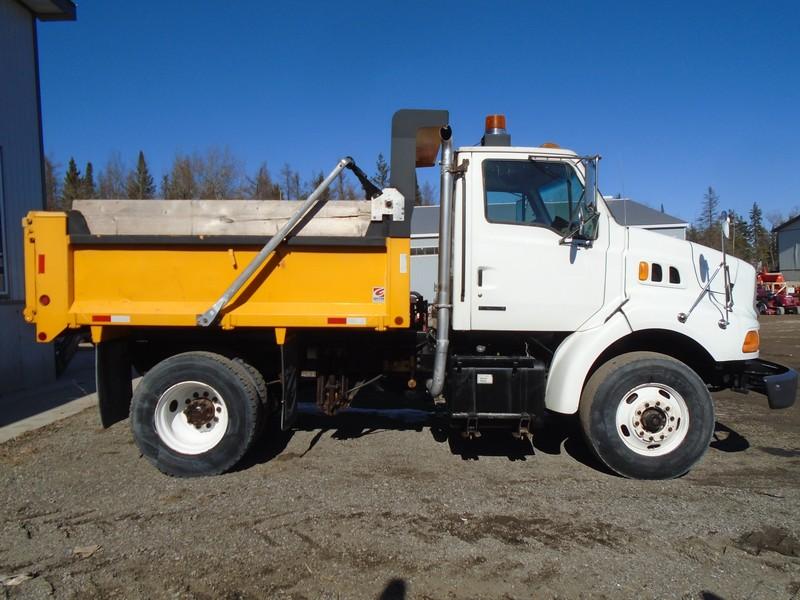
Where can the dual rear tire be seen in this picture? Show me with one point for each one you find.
(198, 413)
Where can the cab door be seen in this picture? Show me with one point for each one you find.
(525, 276)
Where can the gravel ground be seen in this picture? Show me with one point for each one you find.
(353, 512)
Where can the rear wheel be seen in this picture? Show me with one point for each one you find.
(195, 414)
(647, 416)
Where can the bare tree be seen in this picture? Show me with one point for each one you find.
(286, 179)
(181, 182)
(52, 186)
(340, 186)
(111, 182)
(427, 193)
(219, 174)
(327, 193)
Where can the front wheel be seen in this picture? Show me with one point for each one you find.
(195, 414)
(647, 416)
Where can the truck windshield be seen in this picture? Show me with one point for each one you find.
(532, 192)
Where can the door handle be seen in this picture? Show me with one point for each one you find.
(480, 276)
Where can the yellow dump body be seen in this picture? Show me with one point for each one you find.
(166, 282)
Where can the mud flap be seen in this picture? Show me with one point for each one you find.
(289, 375)
(112, 370)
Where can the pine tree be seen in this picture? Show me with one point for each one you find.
(417, 193)
(87, 182)
(740, 237)
(710, 211)
(140, 182)
(707, 226)
(166, 187)
(381, 177)
(760, 238)
(51, 186)
(72, 185)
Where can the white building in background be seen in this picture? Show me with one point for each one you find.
(629, 212)
(23, 362)
(789, 248)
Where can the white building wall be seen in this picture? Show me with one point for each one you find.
(22, 361)
(789, 252)
(674, 232)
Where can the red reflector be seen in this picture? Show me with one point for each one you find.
(44, 299)
(337, 321)
(101, 318)
(42, 336)
(41, 263)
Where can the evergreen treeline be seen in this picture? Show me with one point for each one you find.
(215, 174)
(750, 239)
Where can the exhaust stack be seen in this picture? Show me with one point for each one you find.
(444, 302)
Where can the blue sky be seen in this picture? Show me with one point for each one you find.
(675, 96)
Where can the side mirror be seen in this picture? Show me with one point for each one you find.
(590, 195)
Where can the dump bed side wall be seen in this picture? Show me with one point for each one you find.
(150, 284)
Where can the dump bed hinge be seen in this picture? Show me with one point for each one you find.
(390, 202)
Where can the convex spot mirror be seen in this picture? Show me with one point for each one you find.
(726, 225)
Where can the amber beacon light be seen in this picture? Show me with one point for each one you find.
(495, 124)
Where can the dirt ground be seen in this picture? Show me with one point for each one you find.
(348, 511)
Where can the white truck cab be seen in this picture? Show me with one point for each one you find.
(634, 328)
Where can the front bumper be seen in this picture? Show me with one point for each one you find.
(776, 382)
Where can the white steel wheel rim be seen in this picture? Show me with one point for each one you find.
(652, 419)
(191, 417)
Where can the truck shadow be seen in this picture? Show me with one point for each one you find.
(728, 440)
(554, 435)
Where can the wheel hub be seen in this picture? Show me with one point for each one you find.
(653, 420)
(191, 417)
(199, 412)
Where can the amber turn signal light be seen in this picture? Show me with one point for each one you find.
(644, 271)
(751, 341)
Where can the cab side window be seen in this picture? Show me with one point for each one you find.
(531, 192)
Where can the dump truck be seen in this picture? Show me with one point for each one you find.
(237, 311)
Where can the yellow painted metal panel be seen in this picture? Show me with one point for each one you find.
(135, 285)
(48, 268)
